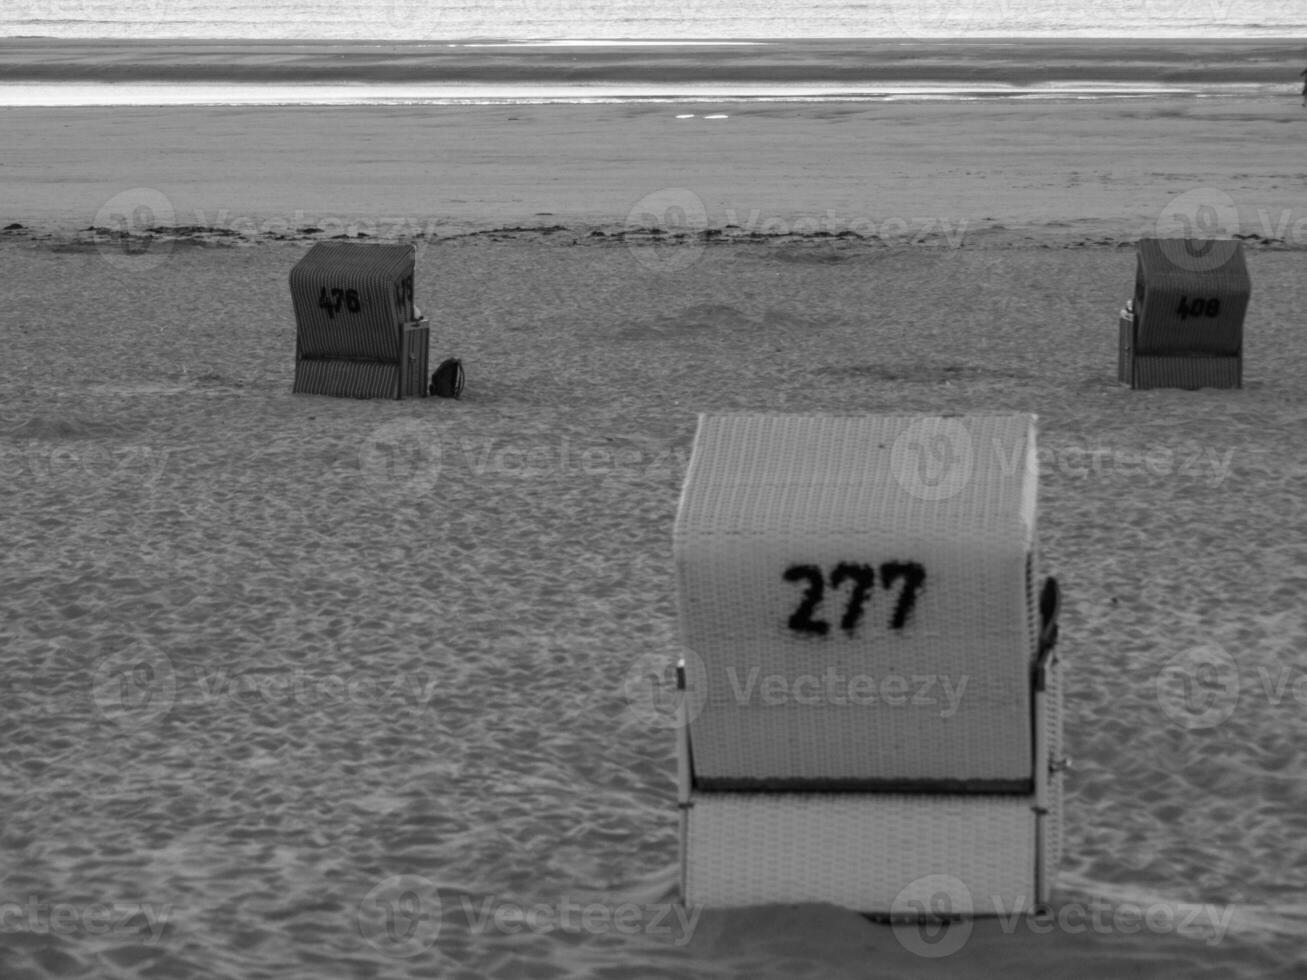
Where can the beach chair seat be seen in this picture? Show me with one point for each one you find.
(357, 331)
(870, 692)
(1184, 326)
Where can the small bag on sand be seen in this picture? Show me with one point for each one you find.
(447, 381)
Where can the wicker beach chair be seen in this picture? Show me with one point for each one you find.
(357, 334)
(870, 697)
(1184, 326)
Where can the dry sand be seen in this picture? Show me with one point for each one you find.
(167, 493)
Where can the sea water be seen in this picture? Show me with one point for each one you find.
(647, 19)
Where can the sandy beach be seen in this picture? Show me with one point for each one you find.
(368, 665)
(1085, 171)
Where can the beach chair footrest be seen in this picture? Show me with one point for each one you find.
(871, 853)
(346, 378)
(1183, 371)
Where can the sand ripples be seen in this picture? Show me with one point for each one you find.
(420, 669)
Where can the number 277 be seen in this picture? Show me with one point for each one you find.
(911, 574)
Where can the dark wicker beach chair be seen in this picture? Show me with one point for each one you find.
(357, 333)
(1184, 326)
(835, 575)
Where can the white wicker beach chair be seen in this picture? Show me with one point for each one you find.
(357, 331)
(1184, 327)
(871, 698)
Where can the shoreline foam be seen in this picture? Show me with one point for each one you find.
(1021, 62)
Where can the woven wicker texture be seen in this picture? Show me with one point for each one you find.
(1054, 755)
(1153, 371)
(860, 851)
(754, 848)
(946, 694)
(347, 379)
(1190, 297)
(366, 325)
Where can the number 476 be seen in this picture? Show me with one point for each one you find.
(331, 301)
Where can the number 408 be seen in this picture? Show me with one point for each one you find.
(1198, 307)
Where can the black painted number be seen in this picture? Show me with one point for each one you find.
(331, 300)
(864, 577)
(909, 576)
(912, 576)
(801, 620)
(1198, 307)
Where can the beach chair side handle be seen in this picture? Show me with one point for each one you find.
(1050, 605)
